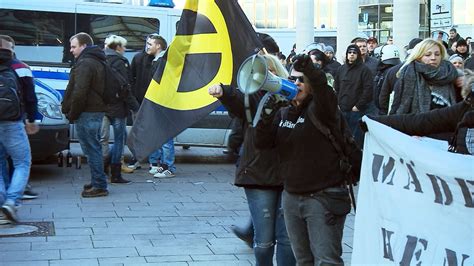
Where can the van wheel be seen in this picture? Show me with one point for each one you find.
(186, 147)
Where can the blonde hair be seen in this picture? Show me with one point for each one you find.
(114, 40)
(274, 63)
(468, 82)
(420, 49)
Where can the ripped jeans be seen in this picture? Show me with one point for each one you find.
(269, 228)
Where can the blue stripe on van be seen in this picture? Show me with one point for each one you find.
(47, 88)
(51, 75)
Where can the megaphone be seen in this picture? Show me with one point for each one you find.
(253, 75)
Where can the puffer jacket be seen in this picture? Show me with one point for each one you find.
(86, 84)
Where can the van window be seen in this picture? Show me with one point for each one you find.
(42, 36)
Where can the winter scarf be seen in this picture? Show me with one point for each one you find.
(420, 81)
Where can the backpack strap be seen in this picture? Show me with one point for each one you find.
(344, 159)
(326, 132)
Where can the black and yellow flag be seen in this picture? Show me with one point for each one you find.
(212, 40)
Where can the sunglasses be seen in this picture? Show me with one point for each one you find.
(294, 79)
(350, 52)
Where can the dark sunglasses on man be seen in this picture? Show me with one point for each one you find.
(294, 79)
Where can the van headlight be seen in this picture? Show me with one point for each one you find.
(48, 106)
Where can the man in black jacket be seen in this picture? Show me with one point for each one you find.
(83, 105)
(353, 85)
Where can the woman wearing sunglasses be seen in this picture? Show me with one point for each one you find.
(309, 166)
(257, 174)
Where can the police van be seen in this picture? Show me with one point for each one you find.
(41, 30)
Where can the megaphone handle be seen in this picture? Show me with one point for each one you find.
(260, 108)
(248, 112)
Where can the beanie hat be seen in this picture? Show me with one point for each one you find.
(413, 43)
(372, 39)
(455, 58)
(329, 49)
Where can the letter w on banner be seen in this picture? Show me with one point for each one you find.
(212, 40)
(415, 202)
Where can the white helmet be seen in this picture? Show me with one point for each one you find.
(314, 46)
(389, 54)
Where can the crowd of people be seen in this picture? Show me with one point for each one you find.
(428, 93)
(290, 170)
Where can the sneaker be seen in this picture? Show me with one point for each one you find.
(134, 165)
(10, 212)
(94, 192)
(165, 174)
(156, 169)
(126, 170)
(29, 194)
(87, 186)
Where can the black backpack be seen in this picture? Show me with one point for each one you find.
(10, 95)
(116, 85)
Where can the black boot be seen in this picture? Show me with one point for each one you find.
(107, 166)
(116, 176)
(244, 233)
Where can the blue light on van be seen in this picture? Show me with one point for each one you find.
(161, 3)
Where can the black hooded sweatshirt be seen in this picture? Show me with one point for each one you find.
(307, 160)
(353, 84)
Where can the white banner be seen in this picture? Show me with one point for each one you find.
(415, 202)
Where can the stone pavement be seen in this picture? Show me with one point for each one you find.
(180, 221)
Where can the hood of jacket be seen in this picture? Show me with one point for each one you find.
(111, 52)
(92, 51)
(359, 59)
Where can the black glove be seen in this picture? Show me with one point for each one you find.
(363, 126)
(271, 106)
(303, 63)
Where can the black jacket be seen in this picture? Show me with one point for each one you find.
(456, 38)
(372, 63)
(353, 84)
(86, 84)
(119, 108)
(390, 84)
(332, 67)
(455, 119)
(308, 162)
(257, 168)
(141, 74)
(469, 63)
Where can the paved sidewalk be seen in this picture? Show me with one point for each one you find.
(180, 221)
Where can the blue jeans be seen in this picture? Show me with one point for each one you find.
(14, 142)
(313, 240)
(88, 132)
(164, 155)
(119, 127)
(269, 228)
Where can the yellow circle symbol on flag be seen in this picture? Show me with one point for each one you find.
(166, 92)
